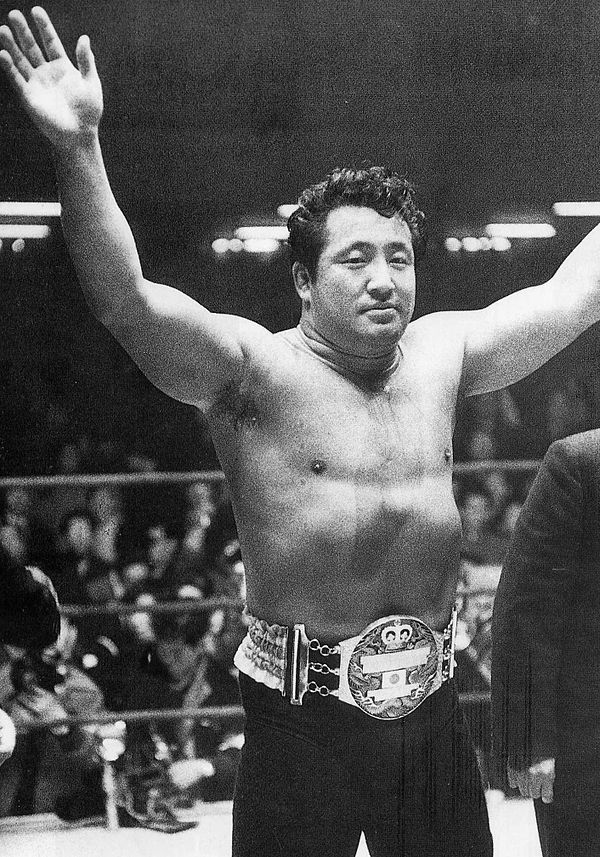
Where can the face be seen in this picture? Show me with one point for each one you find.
(179, 657)
(103, 503)
(363, 292)
(79, 535)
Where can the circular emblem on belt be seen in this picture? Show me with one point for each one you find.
(393, 667)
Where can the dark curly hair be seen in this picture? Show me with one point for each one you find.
(374, 187)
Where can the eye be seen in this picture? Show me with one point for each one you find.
(399, 261)
(355, 259)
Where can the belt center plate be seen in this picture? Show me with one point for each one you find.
(393, 667)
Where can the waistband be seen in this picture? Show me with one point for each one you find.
(387, 670)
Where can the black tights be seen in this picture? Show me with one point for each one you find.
(312, 777)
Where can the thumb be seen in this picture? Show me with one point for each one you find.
(547, 791)
(85, 57)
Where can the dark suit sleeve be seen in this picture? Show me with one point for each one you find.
(530, 609)
(29, 614)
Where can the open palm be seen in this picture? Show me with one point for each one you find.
(63, 100)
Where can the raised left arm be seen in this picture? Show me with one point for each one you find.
(516, 335)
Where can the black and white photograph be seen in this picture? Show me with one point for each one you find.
(300, 428)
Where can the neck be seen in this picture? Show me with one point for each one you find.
(371, 367)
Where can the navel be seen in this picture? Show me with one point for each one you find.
(448, 454)
(317, 465)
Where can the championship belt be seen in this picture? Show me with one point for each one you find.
(387, 670)
(390, 668)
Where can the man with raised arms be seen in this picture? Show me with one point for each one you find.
(336, 440)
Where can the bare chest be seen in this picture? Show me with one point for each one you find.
(316, 419)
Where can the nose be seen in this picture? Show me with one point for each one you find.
(380, 285)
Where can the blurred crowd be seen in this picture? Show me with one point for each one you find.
(138, 546)
(105, 544)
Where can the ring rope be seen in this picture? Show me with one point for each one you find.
(215, 476)
(73, 480)
(191, 605)
(116, 608)
(216, 712)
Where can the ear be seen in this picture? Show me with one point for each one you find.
(302, 282)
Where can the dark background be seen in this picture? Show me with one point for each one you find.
(217, 111)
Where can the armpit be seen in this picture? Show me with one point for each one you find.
(235, 406)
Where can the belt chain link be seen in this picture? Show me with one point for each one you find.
(323, 669)
(323, 648)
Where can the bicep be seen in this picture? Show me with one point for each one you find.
(516, 335)
(184, 349)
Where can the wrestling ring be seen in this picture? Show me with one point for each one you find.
(209, 830)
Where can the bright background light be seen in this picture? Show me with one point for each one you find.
(261, 245)
(500, 244)
(453, 245)
(24, 230)
(576, 209)
(220, 245)
(277, 233)
(521, 230)
(30, 209)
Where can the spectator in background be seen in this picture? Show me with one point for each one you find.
(190, 563)
(28, 605)
(210, 775)
(162, 546)
(135, 577)
(481, 542)
(22, 531)
(75, 563)
(490, 426)
(200, 506)
(508, 520)
(61, 501)
(571, 408)
(174, 668)
(190, 665)
(28, 616)
(105, 507)
(498, 489)
(47, 762)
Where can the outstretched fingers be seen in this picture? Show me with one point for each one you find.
(85, 57)
(19, 63)
(48, 35)
(12, 72)
(25, 38)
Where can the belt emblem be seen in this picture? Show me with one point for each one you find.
(392, 667)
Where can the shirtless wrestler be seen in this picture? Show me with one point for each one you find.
(336, 440)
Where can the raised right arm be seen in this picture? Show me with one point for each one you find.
(185, 350)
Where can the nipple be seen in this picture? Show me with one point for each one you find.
(318, 465)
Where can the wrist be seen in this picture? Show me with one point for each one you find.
(85, 142)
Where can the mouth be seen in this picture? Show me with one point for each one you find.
(382, 312)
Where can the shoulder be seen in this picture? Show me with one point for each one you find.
(576, 450)
(262, 350)
(441, 332)
(453, 323)
(436, 342)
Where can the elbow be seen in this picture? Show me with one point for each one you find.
(117, 313)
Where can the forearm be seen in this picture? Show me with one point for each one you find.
(98, 236)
